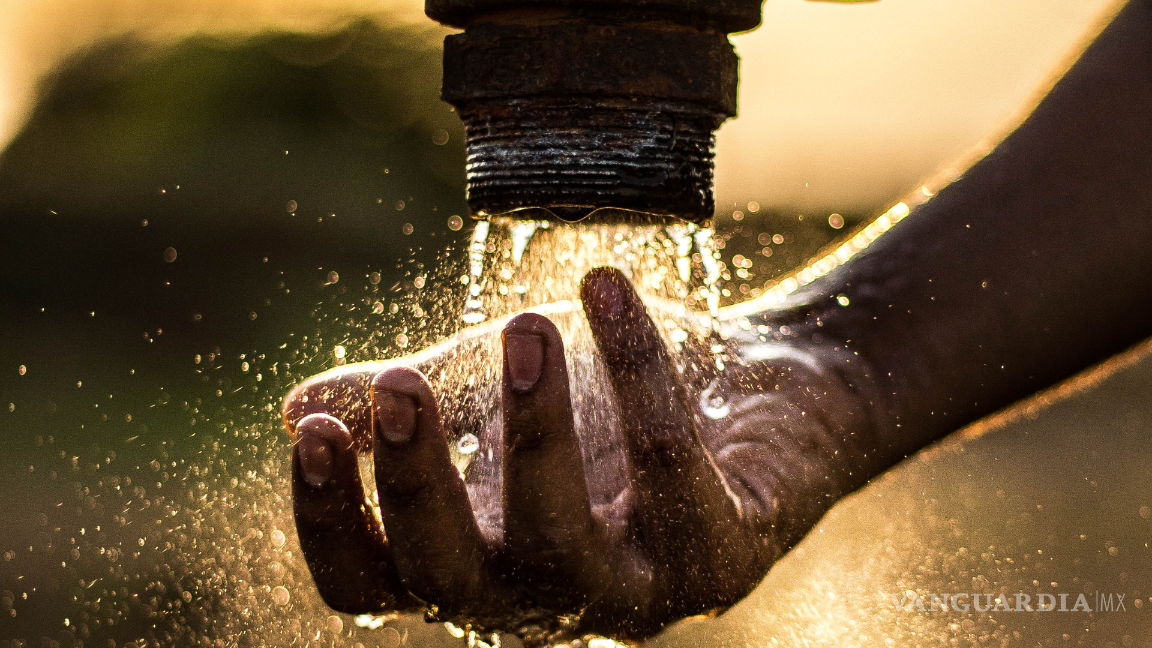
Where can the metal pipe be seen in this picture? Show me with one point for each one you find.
(577, 105)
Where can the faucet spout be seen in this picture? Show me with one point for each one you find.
(576, 105)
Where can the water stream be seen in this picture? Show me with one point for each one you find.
(522, 264)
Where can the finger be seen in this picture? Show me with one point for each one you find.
(342, 541)
(342, 393)
(438, 548)
(549, 532)
(686, 510)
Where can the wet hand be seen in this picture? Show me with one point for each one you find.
(697, 527)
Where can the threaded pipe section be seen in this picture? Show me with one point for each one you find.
(572, 156)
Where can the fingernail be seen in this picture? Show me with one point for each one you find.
(316, 459)
(395, 416)
(609, 301)
(525, 356)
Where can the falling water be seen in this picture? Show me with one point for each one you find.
(524, 264)
(713, 399)
(473, 308)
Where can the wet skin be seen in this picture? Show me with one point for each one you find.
(698, 523)
(1032, 266)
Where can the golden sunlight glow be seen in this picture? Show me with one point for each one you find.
(842, 105)
(846, 107)
(822, 265)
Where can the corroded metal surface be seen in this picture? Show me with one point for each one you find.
(575, 105)
(642, 157)
(571, 60)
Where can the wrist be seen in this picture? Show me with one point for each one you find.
(816, 426)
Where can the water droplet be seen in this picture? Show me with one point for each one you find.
(521, 233)
(401, 340)
(440, 137)
(408, 229)
(474, 312)
(390, 638)
(681, 235)
(340, 352)
(278, 538)
(836, 221)
(23, 370)
(468, 444)
(335, 624)
(713, 401)
(753, 206)
(371, 622)
(280, 595)
(170, 254)
(455, 223)
(378, 308)
(291, 206)
(333, 277)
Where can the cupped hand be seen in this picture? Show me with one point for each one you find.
(707, 506)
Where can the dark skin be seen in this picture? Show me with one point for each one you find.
(1031, 267)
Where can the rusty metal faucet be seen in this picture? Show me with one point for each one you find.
(574, 105)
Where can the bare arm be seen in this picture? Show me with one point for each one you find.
(1032, 266)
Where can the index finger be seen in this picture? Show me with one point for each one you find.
(687, 510)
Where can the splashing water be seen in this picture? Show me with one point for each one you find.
(189, 540)
(537, 266)
(675, 266)
(474, 312)
(713, 400)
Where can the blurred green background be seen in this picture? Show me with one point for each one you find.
(172, 220)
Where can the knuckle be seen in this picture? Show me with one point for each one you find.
(401, 379)
(407, 494)
(532, 323)
(662, 444)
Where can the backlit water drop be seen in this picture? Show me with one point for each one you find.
(473, 307)
(468, 444)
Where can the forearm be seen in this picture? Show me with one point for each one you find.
(1034, 265)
